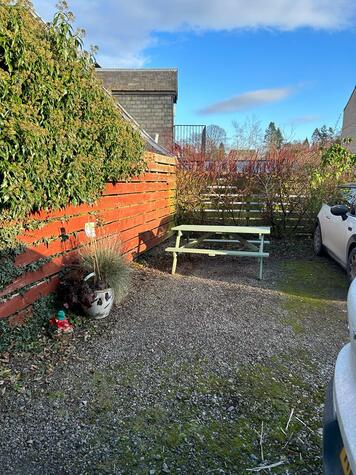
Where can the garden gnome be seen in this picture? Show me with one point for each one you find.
(60, 324)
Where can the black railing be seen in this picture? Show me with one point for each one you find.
(189, 138)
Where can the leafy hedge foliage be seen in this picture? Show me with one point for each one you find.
(61, 135)
(27, 338)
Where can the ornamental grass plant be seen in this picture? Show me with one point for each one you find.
(104, 258)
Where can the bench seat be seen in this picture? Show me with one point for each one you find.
(216, 252)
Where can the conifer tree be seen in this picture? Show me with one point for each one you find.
(273, 136)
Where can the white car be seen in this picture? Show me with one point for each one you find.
(339, 434)
(335, 230)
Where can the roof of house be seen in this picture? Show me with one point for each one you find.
(140, 80)
(242, 154)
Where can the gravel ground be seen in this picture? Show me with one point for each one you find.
(207, 371)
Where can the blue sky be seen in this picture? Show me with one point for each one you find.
(287, 61)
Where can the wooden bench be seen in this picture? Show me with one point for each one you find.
(230, 234)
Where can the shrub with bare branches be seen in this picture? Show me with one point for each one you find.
(283, 188)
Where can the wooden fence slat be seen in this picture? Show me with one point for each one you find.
(160, 168)
(48, 269)
(167, 160)
(20, 302)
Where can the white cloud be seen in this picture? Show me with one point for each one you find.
(249, 100)
(123, 29)
(129, 60)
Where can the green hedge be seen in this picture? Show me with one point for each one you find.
(61, 136)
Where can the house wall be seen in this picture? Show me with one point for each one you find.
(349, 121)
(154, 113)
(140, 212)
(148, 95)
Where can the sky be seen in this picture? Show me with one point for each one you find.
(287, 61)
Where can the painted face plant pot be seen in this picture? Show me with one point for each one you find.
(107, 277)
(96, 303)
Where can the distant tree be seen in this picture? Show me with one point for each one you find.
(273, 136)
(306, 142)
(323, 136)
(195, 140)
(248, 135)
(315, 136)
(215, 136)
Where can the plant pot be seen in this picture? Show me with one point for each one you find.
(100, 303)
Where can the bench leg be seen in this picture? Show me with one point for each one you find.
(261, 268)
(174, 266)
(261, 236)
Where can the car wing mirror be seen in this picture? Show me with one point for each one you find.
(340, 210)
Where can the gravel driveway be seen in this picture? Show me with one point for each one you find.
(207, 371)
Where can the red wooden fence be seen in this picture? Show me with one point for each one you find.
(140, 211)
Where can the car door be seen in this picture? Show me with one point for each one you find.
(340, 230)
(325, 220)
(337, 237)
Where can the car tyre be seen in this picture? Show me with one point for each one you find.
(351, 264)
(318, 242)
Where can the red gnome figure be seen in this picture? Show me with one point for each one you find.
(60, 324)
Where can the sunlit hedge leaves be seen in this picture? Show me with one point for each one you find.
(61, 135)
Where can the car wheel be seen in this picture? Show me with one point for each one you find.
(318, 242)
(351, 264)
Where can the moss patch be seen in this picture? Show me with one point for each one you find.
(313, 280)
(310, 286)
(201, 421)
(56, 395)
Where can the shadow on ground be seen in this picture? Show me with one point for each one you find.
(291, 268)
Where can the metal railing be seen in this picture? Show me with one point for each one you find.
(188, 139)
